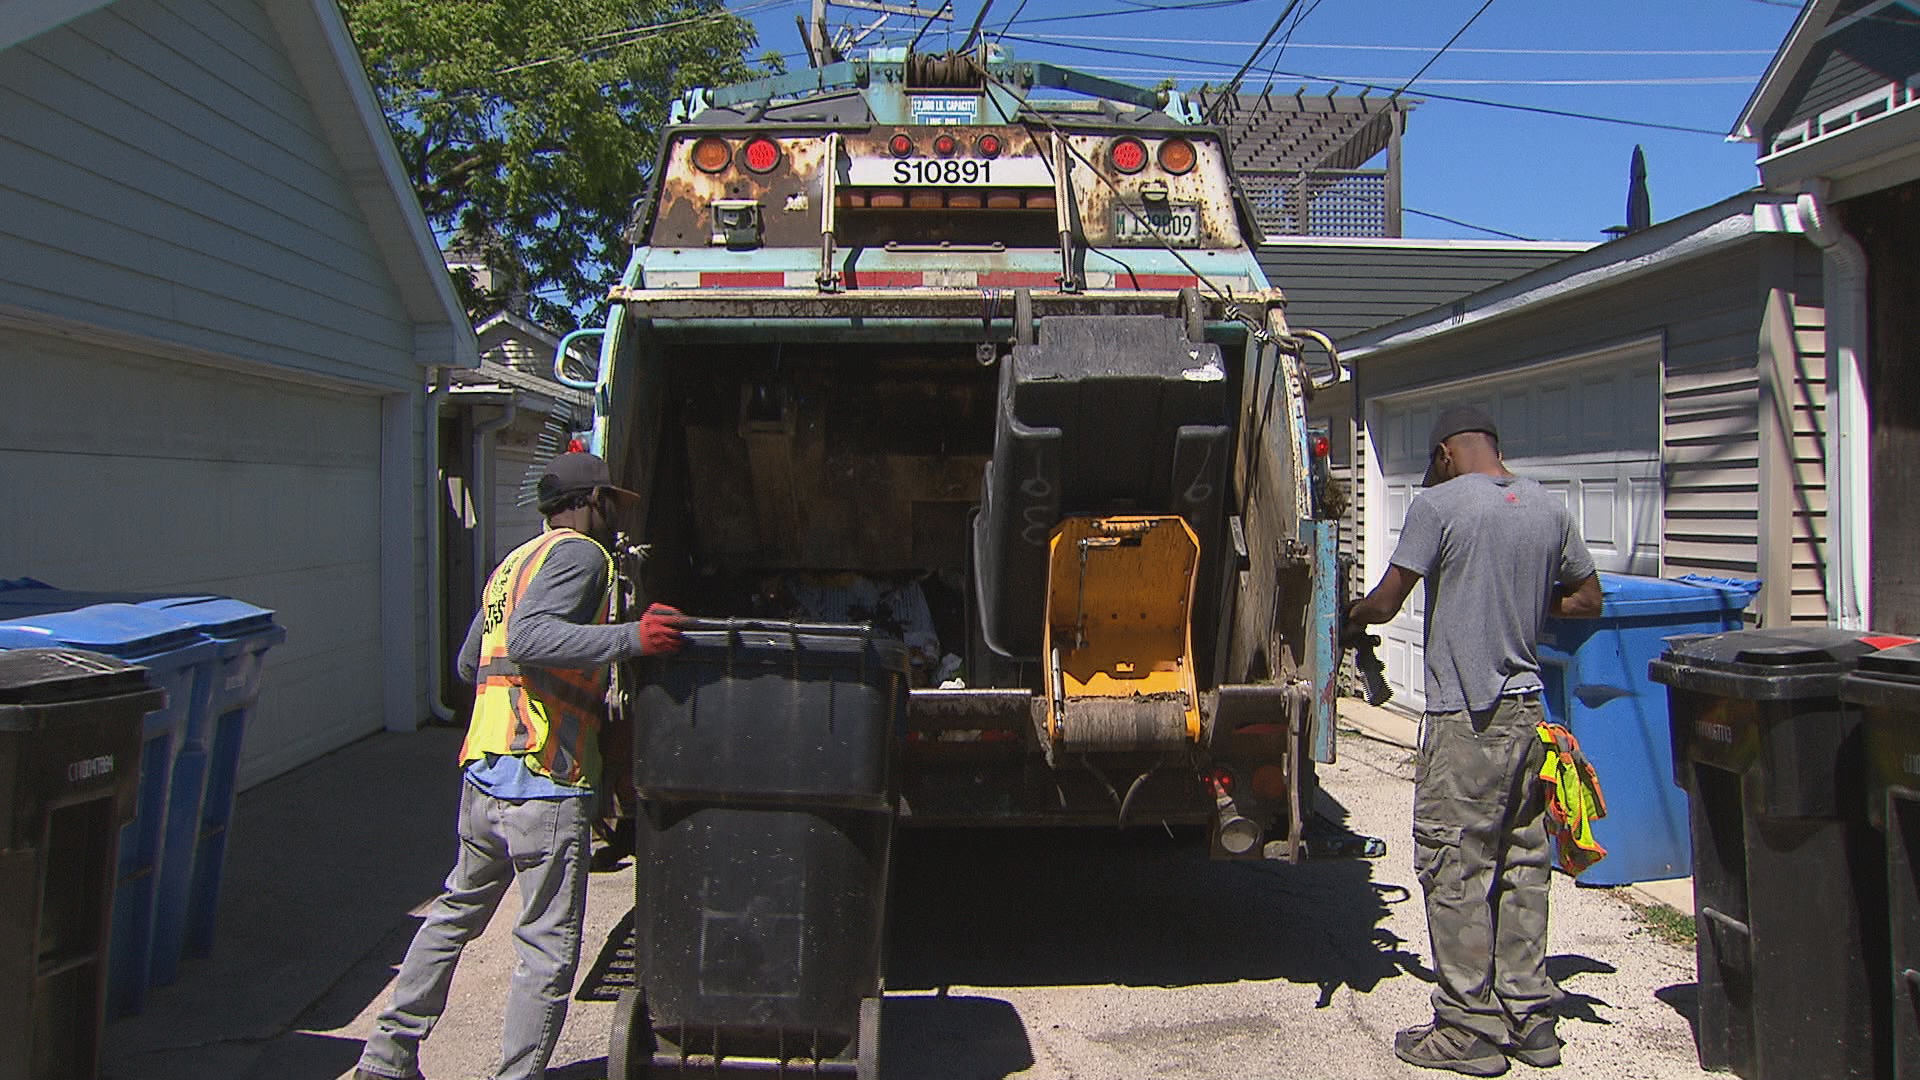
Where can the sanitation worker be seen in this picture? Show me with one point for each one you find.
(540, 652)
(1499, 553)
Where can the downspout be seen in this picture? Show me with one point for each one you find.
(436, 588)
(484, 505)
(1849, 483)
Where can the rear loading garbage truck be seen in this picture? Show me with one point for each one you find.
(918, 341)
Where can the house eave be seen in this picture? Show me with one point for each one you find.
(1772, 87)
(1863, 157)
(1706, 231)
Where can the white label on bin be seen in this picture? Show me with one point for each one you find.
(1913, 764)
(1712, 732)
(235, 682)
(90, 768)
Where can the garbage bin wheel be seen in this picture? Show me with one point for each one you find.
(866, 1065)
(630, 1048)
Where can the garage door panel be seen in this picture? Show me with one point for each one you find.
(1587, 432)
(130, 472)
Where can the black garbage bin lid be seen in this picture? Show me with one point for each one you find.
(1901, 661)
(54, 676)
(1808, 650)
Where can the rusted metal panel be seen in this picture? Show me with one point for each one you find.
(789, 195)
(1204, 188)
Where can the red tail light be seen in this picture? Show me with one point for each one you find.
(945, 145)
(900, 145)
(760, 154)
(989, 146)
(1321, 446)
(1129, 155)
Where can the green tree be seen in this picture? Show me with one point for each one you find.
(528, 127)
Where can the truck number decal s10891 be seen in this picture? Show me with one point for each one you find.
(950, 171)
(947, 172)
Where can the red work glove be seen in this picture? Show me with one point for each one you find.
(660, 631)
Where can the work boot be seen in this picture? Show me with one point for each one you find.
(1537, 1044)
(1434, 1045)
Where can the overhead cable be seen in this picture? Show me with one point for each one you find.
(1467, 224)
(1471, 19)
(1406, 48)
(1372, 85)
(1233, 84)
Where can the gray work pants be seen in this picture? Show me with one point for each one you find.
(1481, 850)
(543, 844)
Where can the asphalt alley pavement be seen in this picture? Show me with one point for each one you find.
(1047, 954)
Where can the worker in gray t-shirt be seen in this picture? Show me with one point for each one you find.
(1499, 554)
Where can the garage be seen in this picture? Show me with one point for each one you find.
(1588, 428)
(142, 472)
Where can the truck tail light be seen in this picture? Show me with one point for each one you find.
(989, 146)
(945, 145)
(761, 154)
(1128, 154)
(710, 155)
(1177, 156)
(900, 145)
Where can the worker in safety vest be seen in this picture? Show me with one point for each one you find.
(1499, 554)
(539, 651)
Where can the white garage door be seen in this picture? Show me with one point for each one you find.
(122, 471)
(1588, 430)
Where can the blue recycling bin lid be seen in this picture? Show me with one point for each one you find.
(127, 631)
(14, 637)
(1628, 595)
(223, 617)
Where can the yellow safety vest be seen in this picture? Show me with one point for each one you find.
(549, 717)
(1574, 801)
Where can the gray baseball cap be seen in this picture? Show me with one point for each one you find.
(1455, 421)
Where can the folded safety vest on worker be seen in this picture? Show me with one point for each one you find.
(1574, 801)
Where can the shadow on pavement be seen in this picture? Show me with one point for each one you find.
(1683, 998)
(1573, 1005)
(942, 1037)
(1049, 907)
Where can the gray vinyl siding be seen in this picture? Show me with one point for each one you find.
(1342, 290)
(1707, 312)
(1858, 60)
(1809, 448)
(163, 174)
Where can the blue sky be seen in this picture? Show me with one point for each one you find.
(1685, 63)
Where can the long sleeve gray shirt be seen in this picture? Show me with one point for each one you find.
(553, 624)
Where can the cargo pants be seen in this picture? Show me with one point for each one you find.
(1482, 855)
(541, 843)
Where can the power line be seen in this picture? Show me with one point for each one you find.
(1233, 84)
(1443, 50)
(1372, 85)
(1467, 224)
(1383, 81)
(1285, 39)
(635, 34)
(1408, 48)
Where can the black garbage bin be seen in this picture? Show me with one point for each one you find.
(69, 774)
(1790, 903)
(1885, 689)
(762, 760)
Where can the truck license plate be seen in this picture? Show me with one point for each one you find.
(948, 172)
(1176, 223)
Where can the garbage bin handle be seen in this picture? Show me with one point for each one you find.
(1912, 980)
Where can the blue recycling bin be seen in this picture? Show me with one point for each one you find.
(1595, 671)
(206, 773)
(180, 661)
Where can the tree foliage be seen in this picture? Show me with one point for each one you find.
(528, 127)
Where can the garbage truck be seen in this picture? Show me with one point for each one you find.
(922, 341)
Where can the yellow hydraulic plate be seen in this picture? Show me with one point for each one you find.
(1119, 609)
